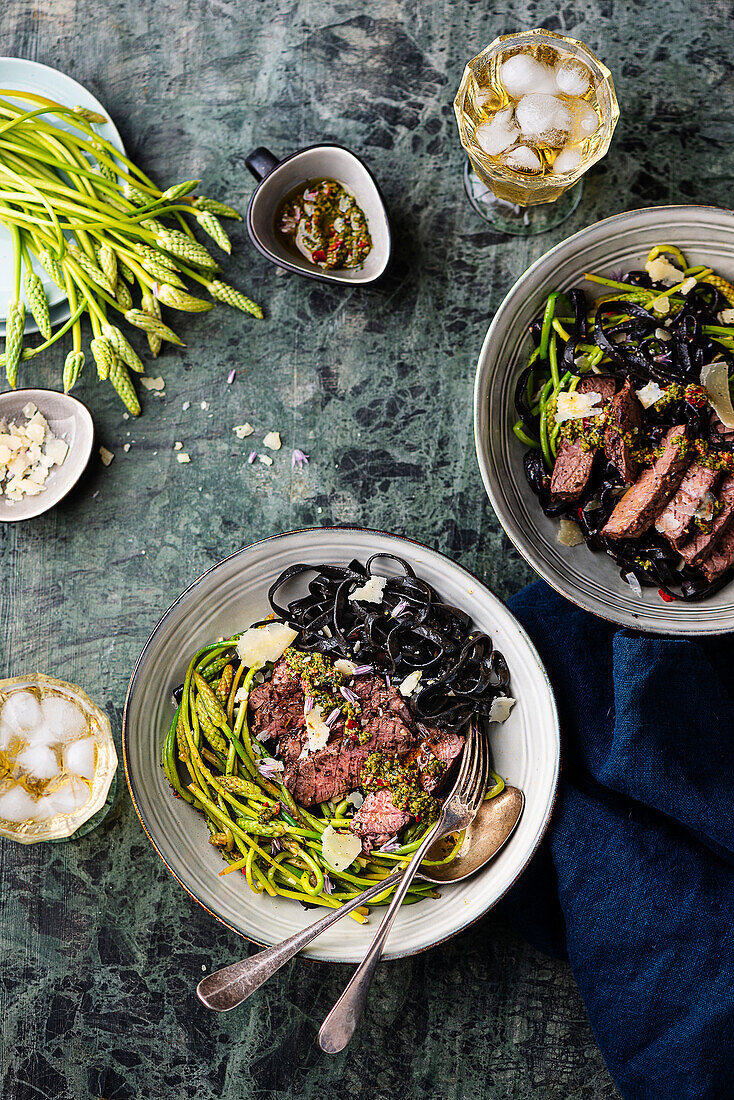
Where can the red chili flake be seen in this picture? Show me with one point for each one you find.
(580, 513)
(665, 596)
(318, 256)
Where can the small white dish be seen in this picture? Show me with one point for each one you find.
(233, 594)
(69, 420)
(592, 580)
(279, 178)
(30, 76)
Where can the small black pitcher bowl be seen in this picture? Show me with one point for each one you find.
(277, 179)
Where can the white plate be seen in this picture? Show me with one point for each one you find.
(69, 420)
(29, 76)
(591, 580)
(229, 597)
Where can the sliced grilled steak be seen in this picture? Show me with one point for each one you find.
(702, 544)
(624, 415)
(676, 516)
(721, 558)
(574, 462)
(436, 745)
(277, 705)
(719, 433)
(378, 819)
(650, 493)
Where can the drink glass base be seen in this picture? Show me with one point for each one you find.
(509, 217)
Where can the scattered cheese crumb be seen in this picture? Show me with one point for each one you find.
(153, 383)
(355, 798)
(345, 668)
(266, 460)
(272, 440)
(661, 305)
(182, 457)
(687, 285)
(727, 316)
(205, 404)
(576, 406)
(243, 430)
(186, 406)
(126, 447)
(178, 445)
(106, 456)
(370, 592)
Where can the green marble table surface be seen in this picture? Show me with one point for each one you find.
(101, 950)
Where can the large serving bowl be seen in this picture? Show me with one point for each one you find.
(228, 598)
(706, 236)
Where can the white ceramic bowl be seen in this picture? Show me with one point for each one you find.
(69, 420)
(30, 76)
(280, 178)
(706, 236)
(229, 597)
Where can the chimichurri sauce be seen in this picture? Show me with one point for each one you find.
(325, 224)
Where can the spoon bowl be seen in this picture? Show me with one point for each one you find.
(494, 824)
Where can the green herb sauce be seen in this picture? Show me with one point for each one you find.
(324, 222)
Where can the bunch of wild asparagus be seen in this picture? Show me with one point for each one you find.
(104, 233)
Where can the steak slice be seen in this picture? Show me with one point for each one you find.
(721, 558)
(436, 745)
(702, 543)
(651, 492)
(676, 516)
(624, 415)
(378, 819)
(574, 462)
(277, 705)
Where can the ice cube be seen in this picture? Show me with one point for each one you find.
(79, 758)
(584, 120)
(70, 796)
(21, 712)
(524, 159)
(522, 74)
(543, 118)
(45, 808)
(568, 159)
(16, 804)
(499, 133)
(63, 718)
(39, 762)
(573, 77)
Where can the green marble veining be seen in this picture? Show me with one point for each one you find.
(100, 949)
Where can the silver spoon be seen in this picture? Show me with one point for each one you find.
(492, 827)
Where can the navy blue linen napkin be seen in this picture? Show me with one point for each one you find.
(634, 883)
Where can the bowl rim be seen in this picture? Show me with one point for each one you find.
(243, 550)
(85, 417)
(320, 276)
(570, 593)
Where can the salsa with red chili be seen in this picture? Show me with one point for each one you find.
(326, 225)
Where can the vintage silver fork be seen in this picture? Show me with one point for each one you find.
(457, 813)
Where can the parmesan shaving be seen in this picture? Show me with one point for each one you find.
(317, 731)
(661, 270)
(243, 430)
(569, 533)
(370, 592)
(500, 709)
(345, 668)
(339, 849)
(410, 683)
(727, 317)
(264, 643)
(24, 467)
(272, 440)
(575, 406)
(649, 394)
(715, 379)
